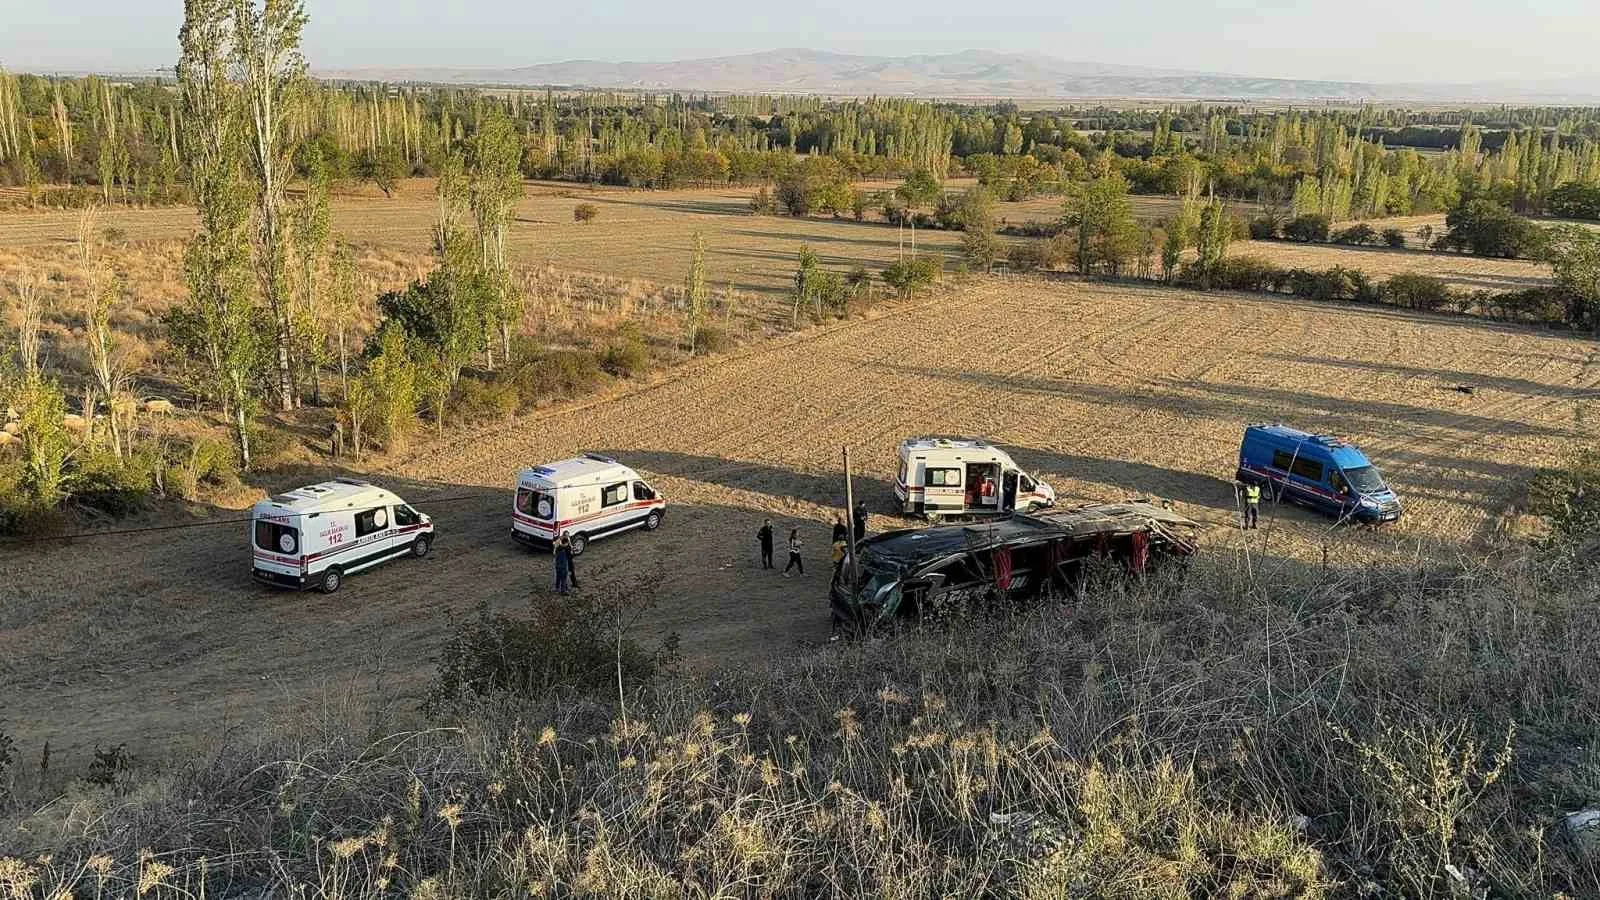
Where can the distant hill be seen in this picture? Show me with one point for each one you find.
(971, 74)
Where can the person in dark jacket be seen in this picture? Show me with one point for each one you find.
(764, 535)
(794, 553)
(861, 521)
(563, 562)
(840, 532)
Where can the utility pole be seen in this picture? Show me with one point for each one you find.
(850, 520)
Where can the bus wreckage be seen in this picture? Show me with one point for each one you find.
(914, 573)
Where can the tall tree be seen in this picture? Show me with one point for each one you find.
(694, 291)
(311, 235)
(1107, 233)
(1211, 239)
(100, 296)
(217, 325)
(270, 71)
(494, 185)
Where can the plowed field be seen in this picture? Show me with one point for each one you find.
(1110, 392)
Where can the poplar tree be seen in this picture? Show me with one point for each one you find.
(216, 327)
(494, 185)
(270, 70)
(100, 296)
(694, 290)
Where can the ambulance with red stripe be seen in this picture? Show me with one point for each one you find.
(312, 537)
(586, 497)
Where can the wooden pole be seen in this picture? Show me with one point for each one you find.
(850, 523)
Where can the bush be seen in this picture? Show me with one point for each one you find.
(1309, 228)
(475, 400)
(1412, 291)
(1263, 228)
(626, 355)
(203, 462)
(585, 212)
(1485, 228)
(114, 486)
(912, 273)
(1575, 201)
(713, 339)
(1240, 273)
(1394, 238)
(553, 374)
(1358, 235)
(571, 646)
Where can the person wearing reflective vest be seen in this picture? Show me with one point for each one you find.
(1252, 504)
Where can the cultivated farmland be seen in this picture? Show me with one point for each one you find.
(160, 638)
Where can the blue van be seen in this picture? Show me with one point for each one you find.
(1318, 471)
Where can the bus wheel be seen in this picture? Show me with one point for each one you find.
(331, 580)
(652, 521)
(579, 542)
(421, 546)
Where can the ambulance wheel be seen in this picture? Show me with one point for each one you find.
(579, 542)
(331, 580)
(652, 521)
(421, 546)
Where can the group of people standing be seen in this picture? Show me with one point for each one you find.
(841, 541)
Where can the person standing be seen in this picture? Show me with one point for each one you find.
(794, 553)
(840, 532)
(764, 535)
(1252, 504)
(563, 562)
(860, 521)
(336, 439)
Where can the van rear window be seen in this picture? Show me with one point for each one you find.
(536, 504)
(275, 538)
(941, 477)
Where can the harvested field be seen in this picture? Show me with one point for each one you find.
(1460, 271)
(160, 638)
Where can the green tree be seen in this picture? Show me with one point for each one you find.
(392, 384)
(1574, 253)
(311, 232)
(1101, 212)
(1485, 228)
(1212, 239)
(494, 185)
(265, 45)
(46, 444)
(910, 274)
(919, 189)
(216, 328)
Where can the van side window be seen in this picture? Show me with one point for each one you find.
(405, 516)
(1309, 469)
(642, 491)
(277, 538)
(1025, 484)
(941, 477)
(372, 521)
(1282, 459)
(614, 494)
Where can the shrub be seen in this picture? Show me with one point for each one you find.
(1395, 238)
(572, 646)
(475, 400)
(1240, 273)
(912, 273)
(1336, 283)
(585, 212)
(553, 374)
(1309, 228)
(1414, 291)
(1027, 256)
(1485, 228)
(1263, 228)
(763, 204)
(626, 354)
(1575, 201)
(113, 485)
(1358, 235)
(200, 463)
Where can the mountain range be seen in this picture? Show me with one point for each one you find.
(970, 75)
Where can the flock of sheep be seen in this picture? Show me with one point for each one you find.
(78, 424)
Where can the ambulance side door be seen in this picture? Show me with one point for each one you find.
(374, 535)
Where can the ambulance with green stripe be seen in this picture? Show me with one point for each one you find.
(312, 537)
(586, 497)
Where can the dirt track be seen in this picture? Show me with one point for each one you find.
(1109, 391)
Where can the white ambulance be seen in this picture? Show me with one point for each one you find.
(315, 535)
(585, 497)
(944, 476)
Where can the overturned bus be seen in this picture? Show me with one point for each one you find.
(914, 573)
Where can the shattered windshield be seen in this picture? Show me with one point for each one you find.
(1365, 480)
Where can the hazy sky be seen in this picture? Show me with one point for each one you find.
(1360, 40)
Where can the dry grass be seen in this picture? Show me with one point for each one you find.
(1110, 391)
(1240, 736)
(1461, 271)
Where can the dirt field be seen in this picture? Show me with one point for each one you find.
(648, 235)
(160, 638)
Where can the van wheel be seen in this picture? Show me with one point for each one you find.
(331, 580)
(652, 521)
(579, 542)
(421, 546)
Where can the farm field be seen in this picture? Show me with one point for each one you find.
(160, 639)
(648, 235)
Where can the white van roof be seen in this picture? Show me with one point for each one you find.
(590, 468)
(327, 496)
(926, 444)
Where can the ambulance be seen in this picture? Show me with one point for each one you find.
(586, 497)
(312, 537)
(943, 476)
